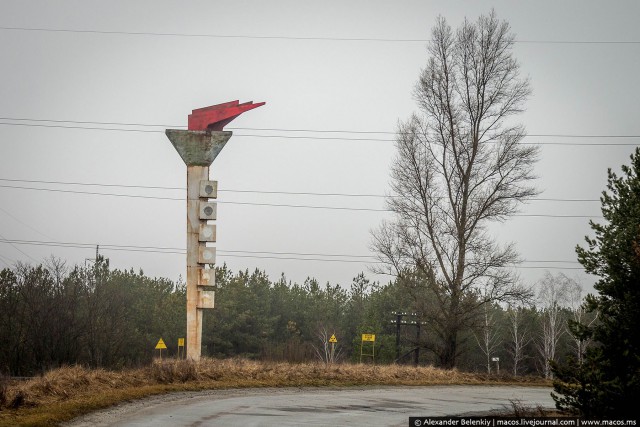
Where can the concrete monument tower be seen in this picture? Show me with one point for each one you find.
(199, 146)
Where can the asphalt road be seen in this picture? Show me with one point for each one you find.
(387, 406)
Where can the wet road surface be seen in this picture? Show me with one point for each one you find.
(381, 406)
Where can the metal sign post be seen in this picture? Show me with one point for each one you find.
(180, 348)
(372, 339)
(333, 340)
(497, 360)
(161, 345)
(199, 146)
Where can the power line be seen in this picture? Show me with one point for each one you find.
(341, 39)
(183, 199)
(177, 250)
(280, 205)
(300, 254)
(296, 259)
(180, 251)
(551, 261)
(136, 196)
(542, 135)
(213, 36)
(547, 268)
(25, 224)
(6, 261)
(310, 137)
(18, 249)
(597, 144)
(241, 254)
(104, 123)
(81, 127)
(296, 193)
(155, 187)
(283, 205)
(565, 135)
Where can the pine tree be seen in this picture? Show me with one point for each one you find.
(607, 383)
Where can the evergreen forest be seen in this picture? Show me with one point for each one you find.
(54, 315)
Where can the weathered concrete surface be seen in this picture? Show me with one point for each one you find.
(195, 174)
(387, 406)
(198, 148)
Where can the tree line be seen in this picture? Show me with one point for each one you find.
(53, 315)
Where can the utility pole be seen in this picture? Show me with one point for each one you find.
(95, 264)
(198, 147)
(417, 353)
(399, 321)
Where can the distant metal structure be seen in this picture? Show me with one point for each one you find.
(416, 323)
(198, 146)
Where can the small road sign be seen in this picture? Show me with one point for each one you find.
(180, 347)
(333, 338)
(161, 345)
(368, 337)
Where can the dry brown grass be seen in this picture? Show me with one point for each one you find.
(68, 392)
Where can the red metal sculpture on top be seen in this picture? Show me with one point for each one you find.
(218, 116)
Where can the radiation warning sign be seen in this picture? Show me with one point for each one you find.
(333, 338)
(161, 345)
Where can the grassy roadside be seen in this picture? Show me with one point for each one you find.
(65, 393)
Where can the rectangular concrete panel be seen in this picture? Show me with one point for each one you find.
(206, 255)
(206, 277)
(209, 189)
(208, 210)
(207, 233)
(205, 298)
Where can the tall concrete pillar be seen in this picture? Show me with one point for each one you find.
(198, 149)
(199, 146)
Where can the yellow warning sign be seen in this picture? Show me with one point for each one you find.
(368, 337)
(161, 345)
(333, 338)
(180, 342)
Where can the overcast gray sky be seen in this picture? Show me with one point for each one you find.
(299, 57)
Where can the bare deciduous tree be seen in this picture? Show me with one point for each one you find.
(554, 295)
(460, 165)
(489, 339)
(580, 317)
(328, 353)
(520, 336)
